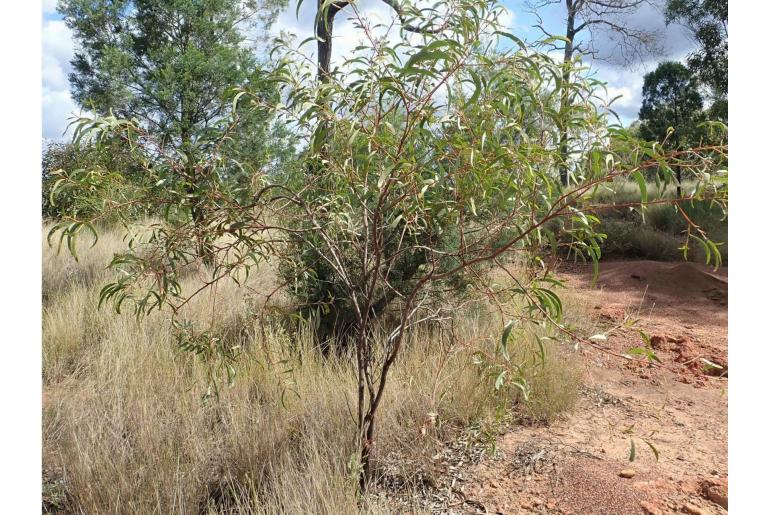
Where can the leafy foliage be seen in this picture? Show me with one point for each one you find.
(670, 98)
(707, 20)
(58, 157)
(171, 68)
(428, 161)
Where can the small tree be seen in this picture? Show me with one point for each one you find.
(426, 172)
(671, 109)
(170, 65)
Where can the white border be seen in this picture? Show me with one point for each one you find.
(21, 257)
(20, 304)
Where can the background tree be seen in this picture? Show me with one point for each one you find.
(671, 109)
(707, 21)
(611, 19)
(111, 155)
(170, 65)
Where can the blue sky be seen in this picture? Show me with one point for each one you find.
(58, 106)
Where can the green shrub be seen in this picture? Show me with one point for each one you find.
(628, 239)
(662, 231)
(111, 157)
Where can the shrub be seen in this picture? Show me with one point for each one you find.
(111, 155)
(629, 239)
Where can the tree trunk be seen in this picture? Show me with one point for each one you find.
(367, 440)
(324, 31)
(564, 103)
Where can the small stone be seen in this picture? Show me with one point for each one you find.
(717, 498)
(715, 490)
(694, 510)
(536, 501)
(627, 473)
(650, 509)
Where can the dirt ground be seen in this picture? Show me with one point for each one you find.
(581, 463)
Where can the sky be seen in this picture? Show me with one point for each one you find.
(57, 44)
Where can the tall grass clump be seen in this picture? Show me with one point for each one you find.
(660, 231)
(126, 429)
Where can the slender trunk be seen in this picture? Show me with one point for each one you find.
(678, 182)
(324, 31)
(364, 457)
(564, 103)
(367, 439)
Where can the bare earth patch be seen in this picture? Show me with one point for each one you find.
(580, 464)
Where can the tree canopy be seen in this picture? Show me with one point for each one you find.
(670, 98)
(173, 67)
(167, 63)
(707, 21)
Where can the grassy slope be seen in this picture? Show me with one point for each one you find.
(125, 430)
(661, 234)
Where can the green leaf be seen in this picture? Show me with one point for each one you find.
(654, 450)
(639, 178)
(476, 92)
(429, 52)
(500, 380)
(507, 331)
(235, 102)
(510, 36)
(632, 454)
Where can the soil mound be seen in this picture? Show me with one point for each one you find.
(591, 487)
(681, 280)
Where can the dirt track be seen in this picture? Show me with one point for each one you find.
(574, 465)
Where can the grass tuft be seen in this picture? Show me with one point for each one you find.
(125, 429)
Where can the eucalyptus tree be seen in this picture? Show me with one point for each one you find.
(707, 22)
(412, 176)
(671, 111)
(611, 19)
(170, 65)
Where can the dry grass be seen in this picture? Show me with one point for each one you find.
(661, 233)
(125, 430)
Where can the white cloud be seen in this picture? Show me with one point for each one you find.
(507, 19)
(49, 6)
(57, 104)
(57, 40)
(58, 108)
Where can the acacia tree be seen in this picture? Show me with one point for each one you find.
(411, 175)
(612, 19)
(170, 65)
(671, 109)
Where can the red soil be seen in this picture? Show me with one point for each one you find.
(679, 408)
